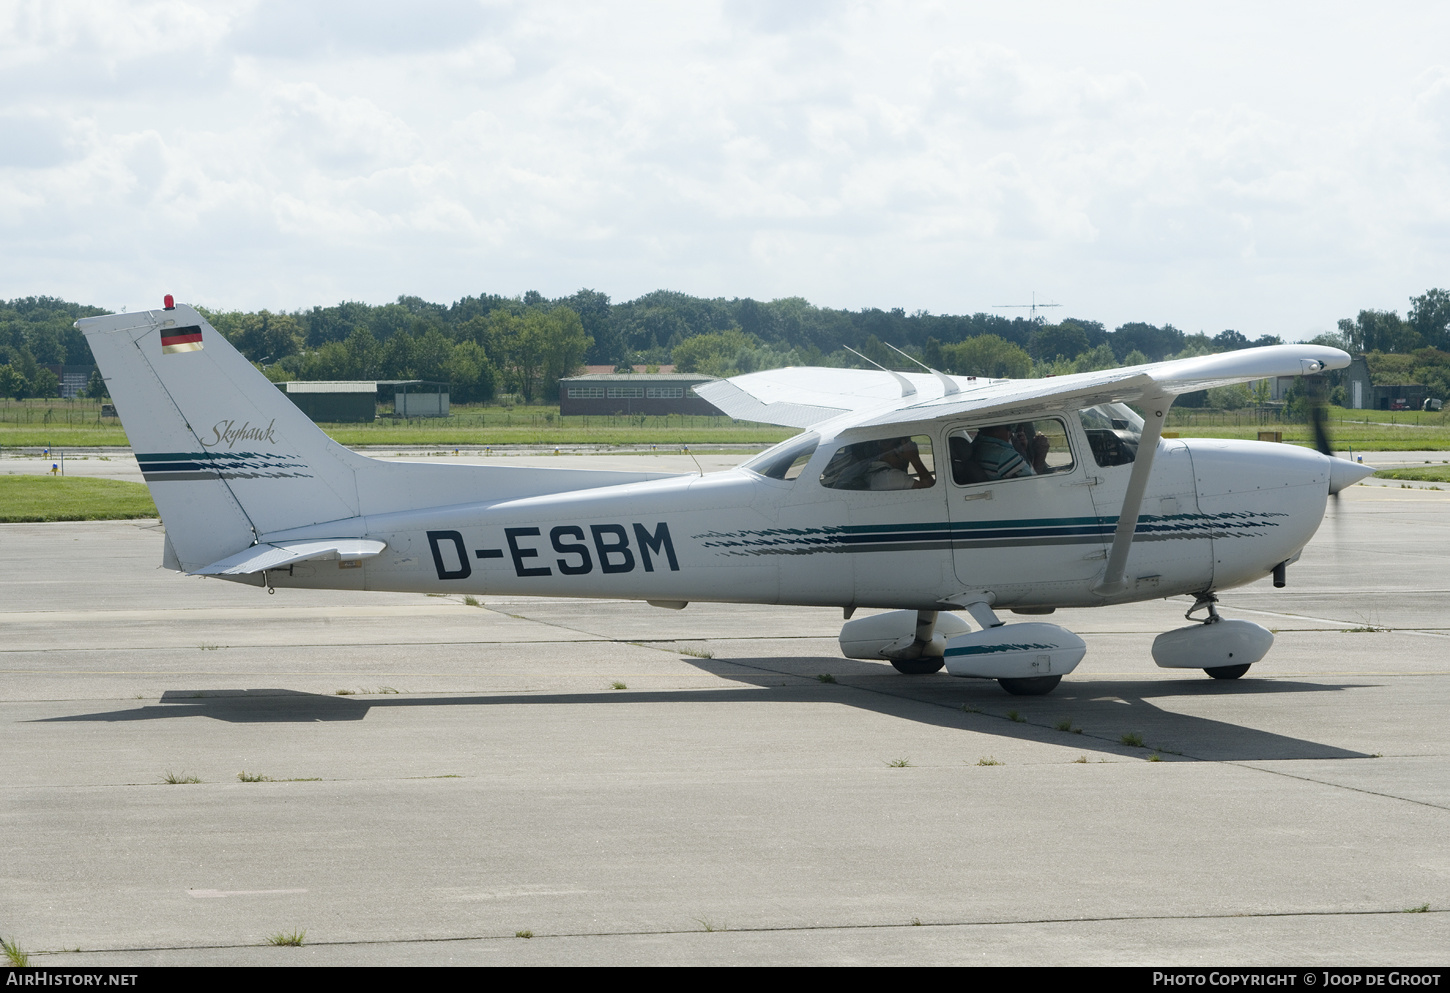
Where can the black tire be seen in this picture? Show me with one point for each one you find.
(1228, 671)
(918, 667)
(1031, 685)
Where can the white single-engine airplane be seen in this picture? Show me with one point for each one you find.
(925, 493)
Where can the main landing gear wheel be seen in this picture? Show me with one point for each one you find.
(917, 667)
(1031, 685)
(1228, 671)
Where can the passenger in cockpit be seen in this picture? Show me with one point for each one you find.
(1004, 454)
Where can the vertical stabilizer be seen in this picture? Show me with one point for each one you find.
(227, 455)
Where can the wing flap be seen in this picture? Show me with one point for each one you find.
(737, 403)
(802, 396)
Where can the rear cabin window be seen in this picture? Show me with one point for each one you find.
(897, 463)
(1009, 451)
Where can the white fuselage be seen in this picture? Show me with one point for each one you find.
(1216, 514)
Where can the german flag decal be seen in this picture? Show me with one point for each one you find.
(186, 339)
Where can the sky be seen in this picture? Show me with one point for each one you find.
(1269, 168)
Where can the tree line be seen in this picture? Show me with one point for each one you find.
(489, 345)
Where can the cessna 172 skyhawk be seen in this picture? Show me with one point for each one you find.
(926, 494)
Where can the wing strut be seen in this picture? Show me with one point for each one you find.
(1113, 581)
(949, 385)
(906, 388)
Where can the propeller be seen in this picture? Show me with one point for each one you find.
(1319, 415)
(1342, 472)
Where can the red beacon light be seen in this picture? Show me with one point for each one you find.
(169, 302)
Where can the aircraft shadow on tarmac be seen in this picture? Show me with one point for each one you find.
(1105, 709)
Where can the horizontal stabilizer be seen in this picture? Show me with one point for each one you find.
(277, 554)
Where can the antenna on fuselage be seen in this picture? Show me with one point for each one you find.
(906, 388)
(949, 385)
(696, 461)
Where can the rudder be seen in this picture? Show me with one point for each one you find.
(226, 455)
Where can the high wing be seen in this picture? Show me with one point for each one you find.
(805, 397)
(801, 396)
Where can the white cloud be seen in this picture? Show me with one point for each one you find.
(1237, 170)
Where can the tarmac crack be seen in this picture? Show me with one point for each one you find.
(1342, 786)
(776, 929)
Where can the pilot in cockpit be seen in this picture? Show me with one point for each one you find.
(891, 469)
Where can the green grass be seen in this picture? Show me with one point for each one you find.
(899, 764)
(58, 424)
(179, 778)
(78, 423)
(292, 940)
(20, 959)
(987, 760)
(564, 431)
(1429, 474)
(72, 498)
(1361, 430)
(1133, 739)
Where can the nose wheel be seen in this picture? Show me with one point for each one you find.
(1223, 649)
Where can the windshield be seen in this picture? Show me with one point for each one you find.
(1113, 430)
(786, 460)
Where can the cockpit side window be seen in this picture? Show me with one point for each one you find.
(1112, 431)
(1009, 451)
(882, 464)
(786, 460)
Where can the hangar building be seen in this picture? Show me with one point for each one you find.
(357, 402)
(345, 403)
(625, 393)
